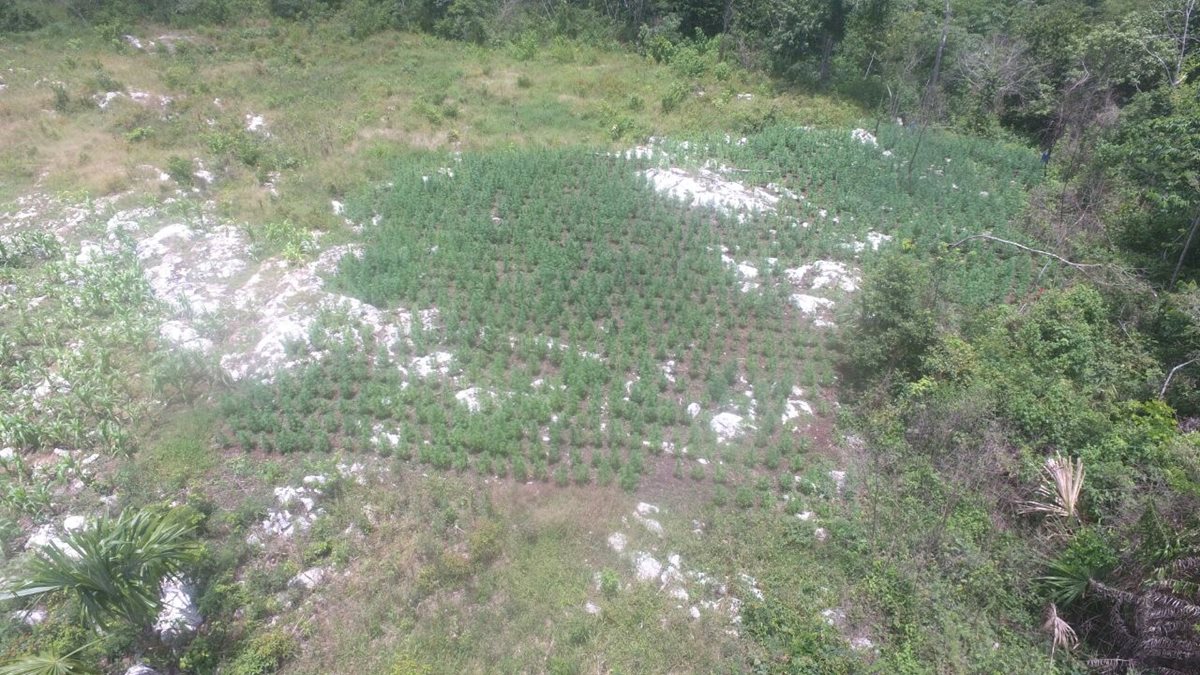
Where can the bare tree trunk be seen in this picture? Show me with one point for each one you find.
(1167, 383)
(1183, 44)
(726, 22)
(935, 77)
(912, 160)
(826, 56)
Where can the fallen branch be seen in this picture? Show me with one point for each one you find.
(1166, 383)
(1078, 266)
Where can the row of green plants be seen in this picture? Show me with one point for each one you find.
(71, 339)
(539, 279)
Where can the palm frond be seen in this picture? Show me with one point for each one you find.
(1186, 567)
(1170, 605)
(1166, 648)
(47, 664)
(1109, 593)
(114, 569)
(1107, 665)
(50, 664)
(1061, 634)
(1063, 483)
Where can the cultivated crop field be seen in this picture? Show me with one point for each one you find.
(583, 326)
(556, 401)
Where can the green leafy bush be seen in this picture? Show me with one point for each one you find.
(894, 323)
(264, 653)
(19, 16)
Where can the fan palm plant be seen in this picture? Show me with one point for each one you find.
(114, 569)
(49, 664)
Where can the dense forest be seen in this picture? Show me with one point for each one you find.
(1036, 434)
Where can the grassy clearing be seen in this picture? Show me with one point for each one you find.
(503, 587)
(332, 108)
(548, 270)
(584, 311)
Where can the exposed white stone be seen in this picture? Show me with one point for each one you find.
(861, 644)
(74, 523)
(839, 480)
(29, 617)
(591, 608)
(727, 426)
(647, 567)
(183, 336)
(752, 585)
(89, 252)
(288, 496)
(668, 370)
(145, 97)
(824, 274)
(256, 124)
(141, 669)
(437, 362)
(105, 99)
(873, 242)
(693, 409)
(309, 578)
(46, 536)
(792, 409)
(650, 524)
(834, 616)
(708, 188)
(296, 513)
(354, 470)
(616, 541)
(865, 137)
(179, 618)
(473, 398)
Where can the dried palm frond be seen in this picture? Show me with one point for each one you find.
(1169, 605)
(1185, 567)
(1107, 665)
(1061, 633)
(1166, 648)
(1063, 483)
(1110, 593)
